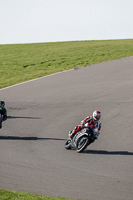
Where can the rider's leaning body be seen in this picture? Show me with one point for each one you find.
(92, 122)
(3, 111)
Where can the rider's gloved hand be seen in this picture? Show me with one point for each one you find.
(95, 133)
(82, 123)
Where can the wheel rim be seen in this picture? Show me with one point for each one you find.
(81, 143)
(68, 142)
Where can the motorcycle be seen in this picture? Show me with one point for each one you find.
(0, 121)
(81, 140)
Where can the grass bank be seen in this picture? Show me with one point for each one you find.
(13, 195)
(22, 62)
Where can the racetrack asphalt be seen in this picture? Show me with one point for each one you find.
(40, 114)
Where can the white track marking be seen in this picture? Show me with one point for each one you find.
(35, 79)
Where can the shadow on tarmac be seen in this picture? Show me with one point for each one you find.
(103, 152)
(26, 138)
(15, 117)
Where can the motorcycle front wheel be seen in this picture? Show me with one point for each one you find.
(82, 144)
(68, 144)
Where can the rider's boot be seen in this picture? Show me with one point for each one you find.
(71, 135)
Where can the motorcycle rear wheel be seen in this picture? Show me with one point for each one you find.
(82, 144)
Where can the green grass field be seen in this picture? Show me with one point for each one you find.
(22, 62)
(14, 195)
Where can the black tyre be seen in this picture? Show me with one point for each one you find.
(0, 123)
(82, 144)
(68, 144)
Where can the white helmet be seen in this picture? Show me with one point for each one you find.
(96, 115)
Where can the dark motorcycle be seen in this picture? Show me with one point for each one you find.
(81, 140)
(0, 121)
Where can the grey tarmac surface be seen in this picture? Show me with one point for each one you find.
(40, 114)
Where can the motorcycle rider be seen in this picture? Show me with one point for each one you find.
(3, 111)
(92, 122)
(0, 121)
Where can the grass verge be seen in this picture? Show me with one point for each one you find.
(14, 195)
(22, 62)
